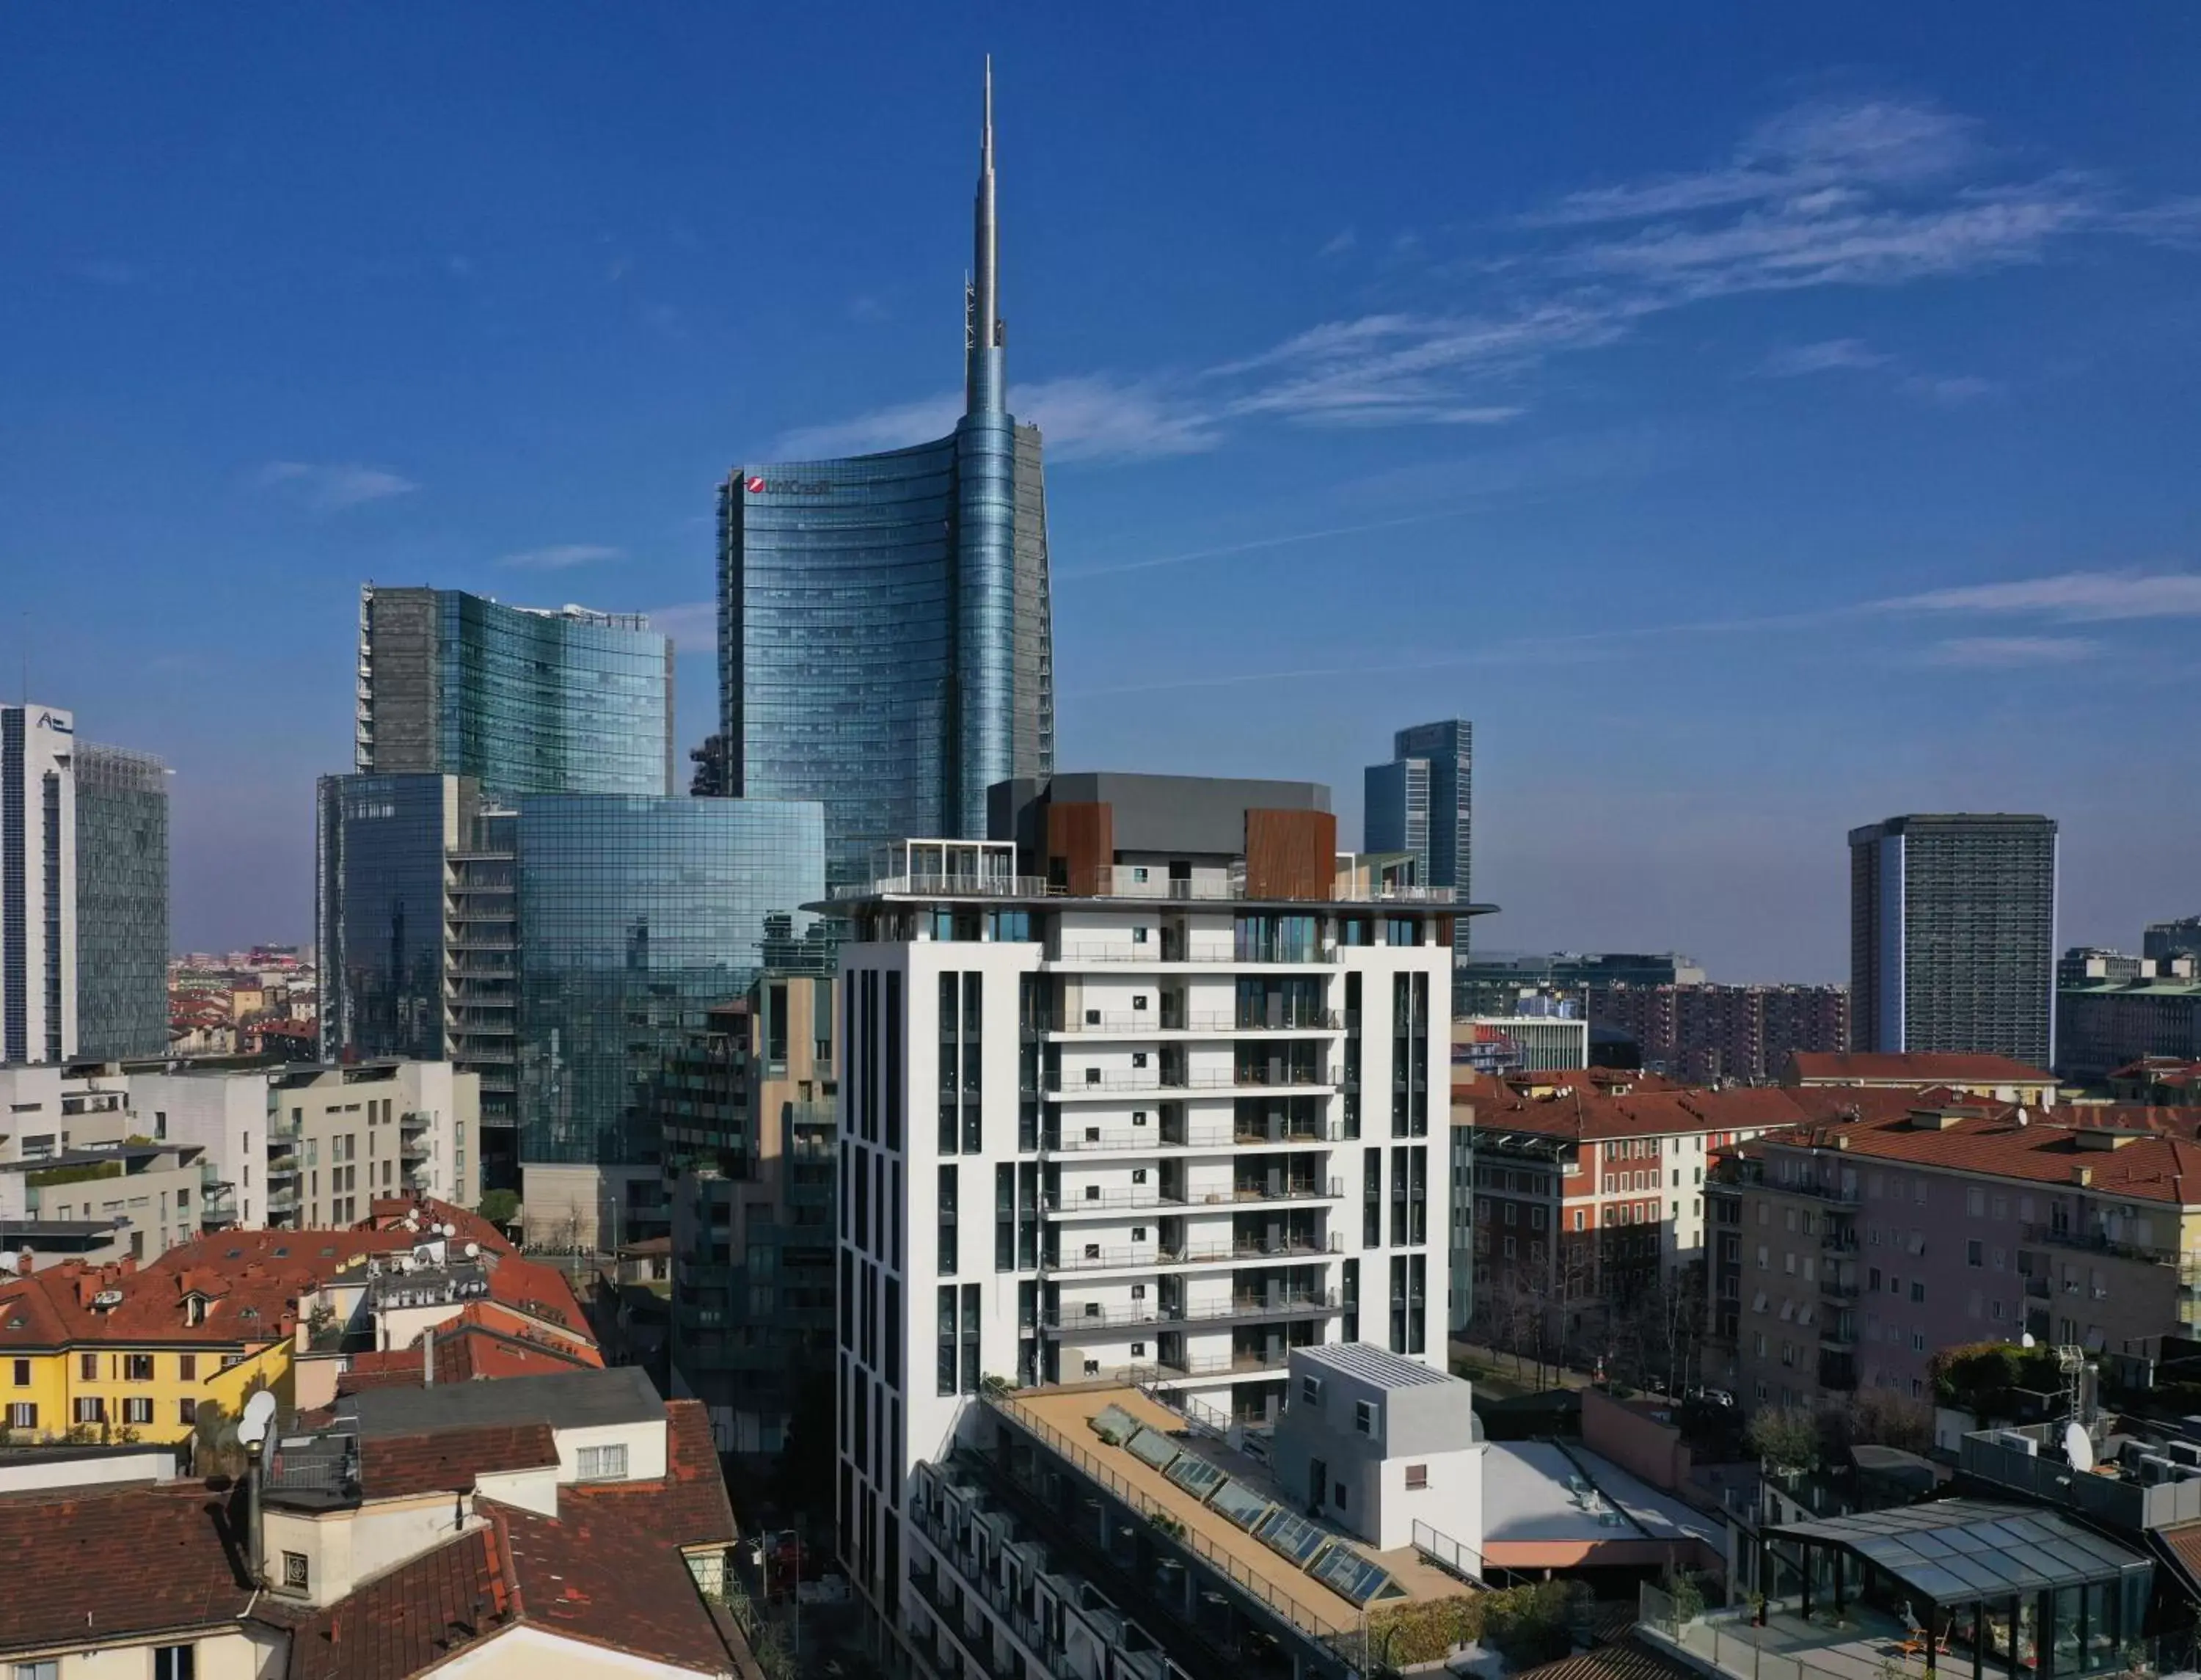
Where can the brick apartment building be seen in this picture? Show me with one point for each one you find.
(1702, 1033)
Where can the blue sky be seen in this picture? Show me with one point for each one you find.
(1759, 421)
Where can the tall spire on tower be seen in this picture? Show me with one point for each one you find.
(983, 375)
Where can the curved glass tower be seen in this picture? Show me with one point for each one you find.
(885, 636)
(524, 699)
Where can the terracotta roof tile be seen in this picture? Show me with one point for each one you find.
(414, 1618)
(690, 1507)
(116, 1561)
(1913, 1067)
(602, 1572)
(393, 1467)
(2150, 1168)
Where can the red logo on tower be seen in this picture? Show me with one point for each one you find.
(756, 486)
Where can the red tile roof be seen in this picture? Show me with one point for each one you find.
(2150, 1168)
(599, 1572)
(1587, 1116)
(415, 1617)
(486, 1341)
(446, 1460)
(689, 1507)
(115, 1562)
(1913, 1068)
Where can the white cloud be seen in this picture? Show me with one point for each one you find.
(1949, 391)
(560, 556)
(1824, 357)
(330, 486)
(1339, 243)
(890, 428)
(1092, 417)
(1998, 653)
(2076, 596)
(693, 626)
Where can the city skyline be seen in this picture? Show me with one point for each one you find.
(1790, 437)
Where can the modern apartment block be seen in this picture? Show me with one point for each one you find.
(38, 884)
(1847, 1252)
(885, 629)
(754, 1254)
(2165, 941)
(1422, 801)
(122, 902)
(340, 1138)
(1132, 1091)
(522, 699)
(1494, 984)
(1702, 1034)
(1953, 935)
(2102, 1024)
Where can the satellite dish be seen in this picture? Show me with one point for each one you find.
(473, 1251)
(2079, 1447)
(258, 1413)
(2027, 1341)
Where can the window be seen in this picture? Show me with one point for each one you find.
(1138, 999)
(1918, 1289)
(602, 1464)
(296, 1575)
(22, 1373)
(22, 1414)
(187, 1413)
(1975, 1254)
(48, 1669)
(90, 1409)
(1363, 1416)
(174, 1662)
(1310, 1390)
(1417, 1477)
(1138, 1350)
(187, 1367)
(138, 1367)
(1138, 936)
(138, 1410)
(87, 1367)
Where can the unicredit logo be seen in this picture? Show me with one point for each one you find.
(790, 486)
(756, 486)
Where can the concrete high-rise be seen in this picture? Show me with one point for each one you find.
(885, 637)
(1953, 935)
(522, 699)
(38, 884)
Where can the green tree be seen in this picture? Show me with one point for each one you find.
(500, 1207)
(1786, 1438)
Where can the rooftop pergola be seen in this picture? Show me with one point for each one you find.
(2001, 1588)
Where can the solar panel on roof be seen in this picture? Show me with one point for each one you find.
(1238, 1503)
(1113, 1423)
(1154, 1447)
(1294, 1537)
(1350, 1575)
(1195, 1476)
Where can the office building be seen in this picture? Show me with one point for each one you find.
(1132, 1091)
(1952, 936)
(1704, 1034)
(2096, 965)
(1502, 1044)
(38, 884)
(2104, 1025)
(1497, 984)
(2165, 941)
(1422, 801)
(521, 699)
(563, 948)
(885, 640)
(122, 902)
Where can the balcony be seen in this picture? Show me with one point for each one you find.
(1141, 1024)
(1238, 1309)
(1092, 954)
(1224, 1365)
(283, 1202)
(2096, 1242)
(1224, 1254)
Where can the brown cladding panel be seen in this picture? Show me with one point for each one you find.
(1081, 844)
(1291, 854)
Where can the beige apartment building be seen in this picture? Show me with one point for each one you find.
(340, 1137)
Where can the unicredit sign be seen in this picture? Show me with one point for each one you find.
(789, 486)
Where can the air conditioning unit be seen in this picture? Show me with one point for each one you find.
(2154, 1470)
(2018, 1441)
(2185, 1472)
(2183, 1452)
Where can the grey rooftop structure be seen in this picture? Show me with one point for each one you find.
(620, 1394)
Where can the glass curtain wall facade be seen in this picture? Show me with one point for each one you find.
(121, 902)
(525, 699)
(885, 624)
(634, 917)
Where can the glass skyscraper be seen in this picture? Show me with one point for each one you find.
(522, 699)
(121, 902)
(634, 917)
(885, 634)
(1424, 803)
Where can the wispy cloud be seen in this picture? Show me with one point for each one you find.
(1827, 355)
(1860, 191)
(1339, 243)
(2004, 653)
(2074, 597)
(331, 486)
(693, 626)
(107, 271)
(560, 556)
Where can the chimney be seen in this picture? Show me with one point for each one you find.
(25, 1264)
(428, 1358)
(2082, 1176)
(129, 1266)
